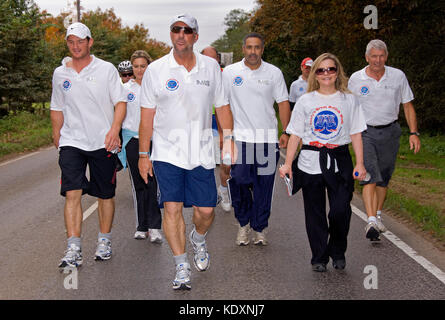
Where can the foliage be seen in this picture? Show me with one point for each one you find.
(32, 45)
(237, 26)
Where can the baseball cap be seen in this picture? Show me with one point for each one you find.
(187, 19)
(79, 30)
(307, 62)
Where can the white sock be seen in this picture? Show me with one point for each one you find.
(372, 219)
(379, 213)
(198, 238)
(222, 188)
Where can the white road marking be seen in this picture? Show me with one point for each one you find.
(90, 210)
(24, 157)
(410, 252)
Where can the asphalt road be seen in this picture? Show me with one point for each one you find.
(32, 241)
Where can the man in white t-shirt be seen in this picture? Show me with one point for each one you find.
(299, 86)
(88, 105)
(253, 86)
(381, 90)
(177, 95)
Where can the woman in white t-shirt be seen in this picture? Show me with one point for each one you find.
(148, 214)
(327, 118)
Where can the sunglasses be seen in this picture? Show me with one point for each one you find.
(127, 75)
(177, 29)
(330, 70)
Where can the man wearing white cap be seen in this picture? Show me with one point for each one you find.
(177, 94)
(299, 86)
(88, 104)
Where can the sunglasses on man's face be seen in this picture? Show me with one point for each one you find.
(330, 70)
(177, 29)
(125, 75)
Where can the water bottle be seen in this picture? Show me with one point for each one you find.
(227, 160)
(367, 177)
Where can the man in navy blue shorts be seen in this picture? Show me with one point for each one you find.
(177, 94)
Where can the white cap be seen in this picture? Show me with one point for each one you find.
(79, 30)
(188, 20)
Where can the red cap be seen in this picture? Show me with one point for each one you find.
(307, 62)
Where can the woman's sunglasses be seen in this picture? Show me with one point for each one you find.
(330, 70)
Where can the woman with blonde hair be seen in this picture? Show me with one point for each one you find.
(327, 118)
(148, 214)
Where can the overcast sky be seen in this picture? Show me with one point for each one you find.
(156, 14)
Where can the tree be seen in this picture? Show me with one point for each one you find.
(237, 26)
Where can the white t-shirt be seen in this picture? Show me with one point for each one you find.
(297, 89)
(252, 94)
(324, 120)
(380, 100)
(87, 100)
(133, 116)
(182, 128)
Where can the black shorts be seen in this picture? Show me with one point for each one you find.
(102, 166)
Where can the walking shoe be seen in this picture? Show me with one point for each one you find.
(103, 251)
(339, 264)
(140, 235)
(380, 225)
(319, 267)
(242, 238)
(155, 235)
(201, 258)
(225, 203)
(72, 258)
(259, 238)
(372, 231)
(182, 278)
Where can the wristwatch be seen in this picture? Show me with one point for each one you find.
(228, 137)
(287, 134)
(416, 133)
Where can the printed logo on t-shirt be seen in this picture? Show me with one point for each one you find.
(131, 96)
(66, 85)
(238, 81)
(326, 122)
(364, 90)
(172, 84)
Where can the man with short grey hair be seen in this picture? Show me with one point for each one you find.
(380, 90)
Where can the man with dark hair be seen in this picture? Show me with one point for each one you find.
(253, 86)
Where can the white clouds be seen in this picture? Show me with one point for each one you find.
(156, 14)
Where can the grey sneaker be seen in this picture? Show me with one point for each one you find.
(201, 256)
(72, 258)
(259, 238)
(103, 251)
(182, 278)
(225, 203)
(140, 235)
(380, 225)
(242, 238)
(155, 235)
(372, 231)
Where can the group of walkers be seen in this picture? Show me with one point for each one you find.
(155, 118)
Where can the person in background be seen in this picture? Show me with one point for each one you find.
(125, 71)
(299, 86)
(224, 170)
(380, 90)
(148, 214)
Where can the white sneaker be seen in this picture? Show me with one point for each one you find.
(201, 257)
(242, 238)
(259, 238)
(72, 258)
(155, 235)
(103, 251)
(372, 231)
(380, 225)
(140, 235)
(225, 203)
(182, 278)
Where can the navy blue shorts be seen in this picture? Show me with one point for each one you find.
(196, 187)
(102, 164)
